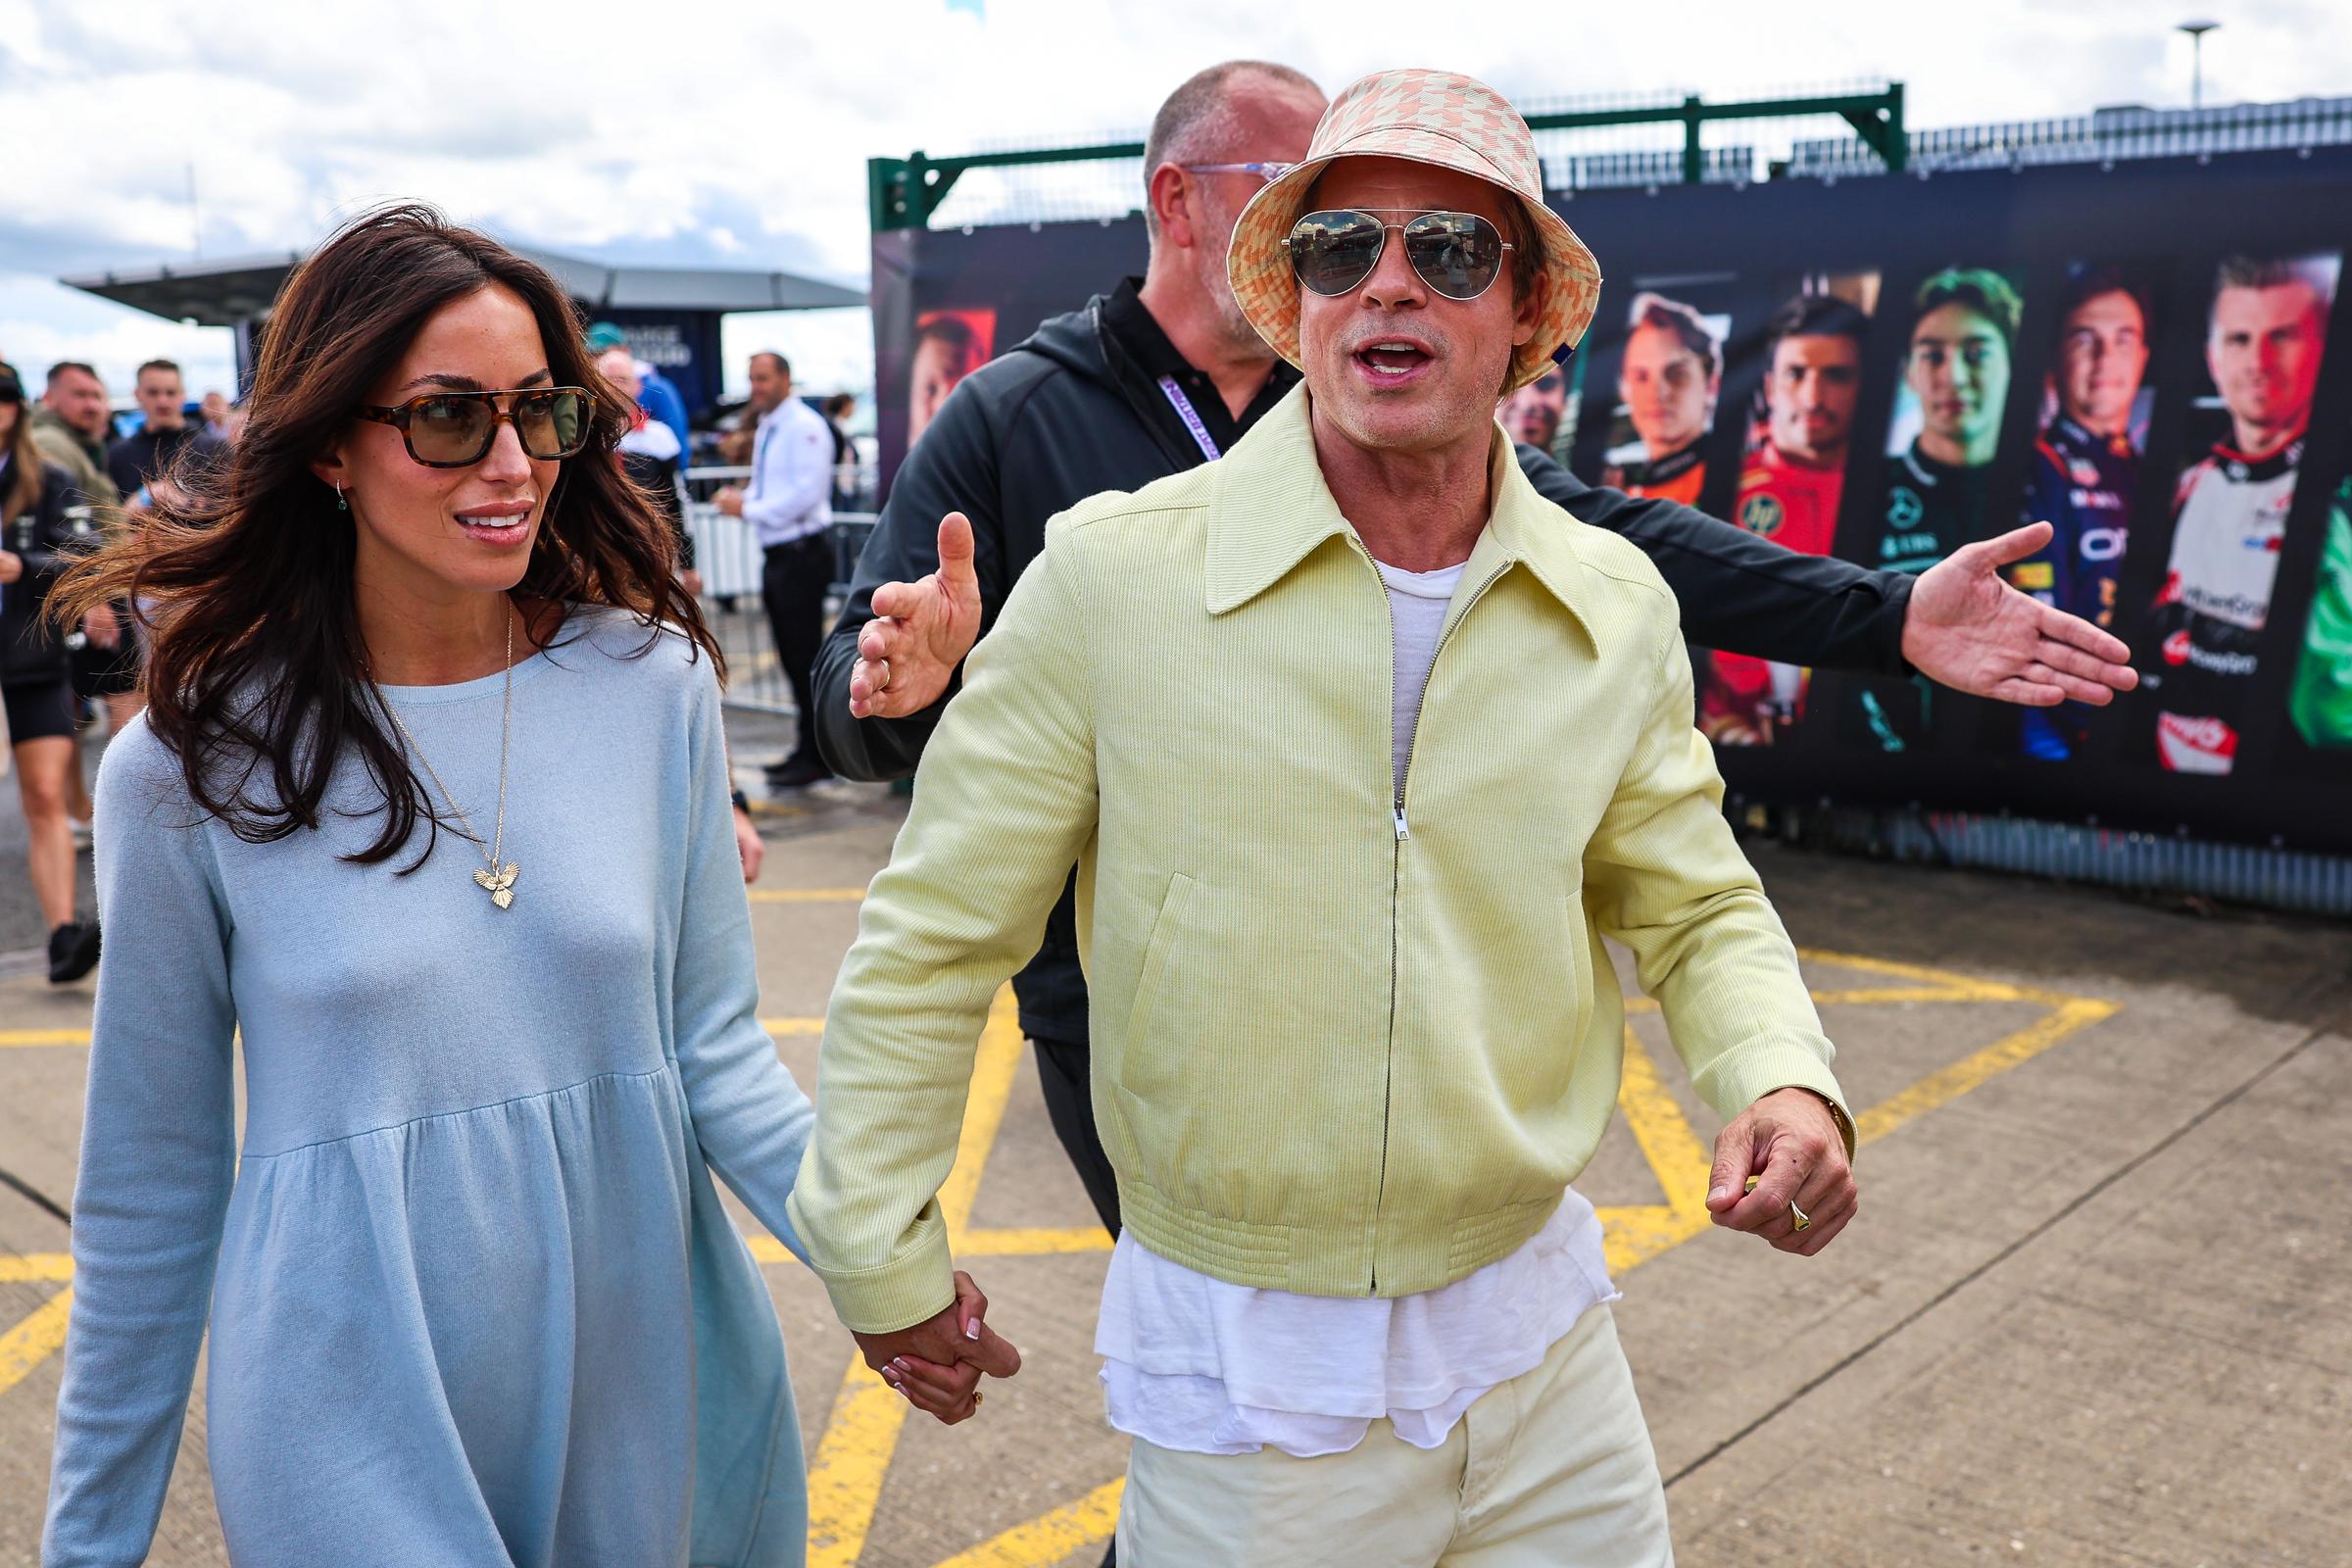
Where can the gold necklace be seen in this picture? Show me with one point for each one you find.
(497, 880)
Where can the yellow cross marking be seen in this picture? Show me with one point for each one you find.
(862, 1433)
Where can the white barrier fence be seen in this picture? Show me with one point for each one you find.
(728, 558)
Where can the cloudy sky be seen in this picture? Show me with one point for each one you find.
(731, 132)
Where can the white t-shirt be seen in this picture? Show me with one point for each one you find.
(1197, 1364)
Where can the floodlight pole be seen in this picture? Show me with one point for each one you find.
(2196, 32)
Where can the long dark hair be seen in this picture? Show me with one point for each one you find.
(256, 669)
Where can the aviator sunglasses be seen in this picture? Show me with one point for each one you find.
(1459, 255)
(454, 429)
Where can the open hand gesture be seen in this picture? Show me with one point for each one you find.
(1972, 631)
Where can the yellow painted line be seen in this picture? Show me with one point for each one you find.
(1958, 987)
(35, 1340)
(1942, 1088)
(853, 1458)
(1633, 1232)
(1034, 1243)
(845, 1478)
(1049, 1537)
(1878, 995)
(35, 1268)
(805, 895)
(793, 1026)
(44, 1037)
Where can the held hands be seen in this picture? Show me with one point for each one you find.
(937, 1363)
(920, 632)
(102, 628)
(1790, 1143)
(1975, 633)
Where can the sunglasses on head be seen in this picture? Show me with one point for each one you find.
(1459, 255)
(454, 429)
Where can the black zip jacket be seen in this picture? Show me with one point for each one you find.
(42, 536)
(1077, 410)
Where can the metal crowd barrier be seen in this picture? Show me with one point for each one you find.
(728, 558)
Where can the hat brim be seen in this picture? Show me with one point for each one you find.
(1267, 290)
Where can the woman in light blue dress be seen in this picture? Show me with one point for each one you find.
(430, 807)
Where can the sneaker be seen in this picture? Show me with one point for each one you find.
(797, 772)
(81, 833)
(73, 950)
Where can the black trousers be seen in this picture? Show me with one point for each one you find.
(793, 579)
(1061, 1072)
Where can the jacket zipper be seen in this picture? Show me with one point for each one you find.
(1387, 1096)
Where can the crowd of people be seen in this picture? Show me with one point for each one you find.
(1335, 727)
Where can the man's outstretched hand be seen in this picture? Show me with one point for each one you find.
(937, 1363)
(1970, 630)
(920, 632)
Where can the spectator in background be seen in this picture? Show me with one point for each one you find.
(649, 454)
(36, 684)
(70, 427)
(1532, 415)
(792, 481)
(166, 439)
(837, 409)
(214, 410)
(656, 394)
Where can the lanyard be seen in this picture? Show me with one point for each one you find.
(1190, 416)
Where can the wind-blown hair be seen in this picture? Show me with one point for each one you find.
(256, 669)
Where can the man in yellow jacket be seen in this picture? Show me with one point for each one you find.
(1361, 749)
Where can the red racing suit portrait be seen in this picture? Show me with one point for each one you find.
(1789, 493)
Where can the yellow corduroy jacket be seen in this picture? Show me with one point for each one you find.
(1346, 1040)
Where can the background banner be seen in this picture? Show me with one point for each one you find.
(1886, 368)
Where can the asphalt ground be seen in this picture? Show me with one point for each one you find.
(2096, 1309)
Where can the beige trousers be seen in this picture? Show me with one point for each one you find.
(1552, 1469)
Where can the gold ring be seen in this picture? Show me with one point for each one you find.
(1803, 1223)
(975, 1401)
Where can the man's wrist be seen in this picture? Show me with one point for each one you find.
(1846, 1123)
(740, 801)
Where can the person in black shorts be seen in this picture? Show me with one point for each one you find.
(36, 682)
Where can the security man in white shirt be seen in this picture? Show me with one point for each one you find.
(790, 503)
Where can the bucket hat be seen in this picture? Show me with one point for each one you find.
(1443, 120)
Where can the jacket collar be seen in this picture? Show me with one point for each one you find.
(1272, 510)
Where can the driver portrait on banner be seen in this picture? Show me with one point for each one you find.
(1668, 384)
(2086, 470)
(2263, 346)
(1791, 485)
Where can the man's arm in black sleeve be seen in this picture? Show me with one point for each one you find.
(952, 469)
(1744, 594)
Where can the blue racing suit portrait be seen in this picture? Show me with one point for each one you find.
(2086, 470)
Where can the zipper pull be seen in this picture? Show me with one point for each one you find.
(1402, 832)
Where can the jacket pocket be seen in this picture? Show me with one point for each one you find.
(1167, 929)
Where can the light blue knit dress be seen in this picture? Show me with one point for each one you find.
(474, 1299)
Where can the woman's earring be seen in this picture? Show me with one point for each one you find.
(341, 505)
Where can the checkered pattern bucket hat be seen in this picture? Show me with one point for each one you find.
(1425, 116)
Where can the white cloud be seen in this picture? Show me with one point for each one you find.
(736, 131)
